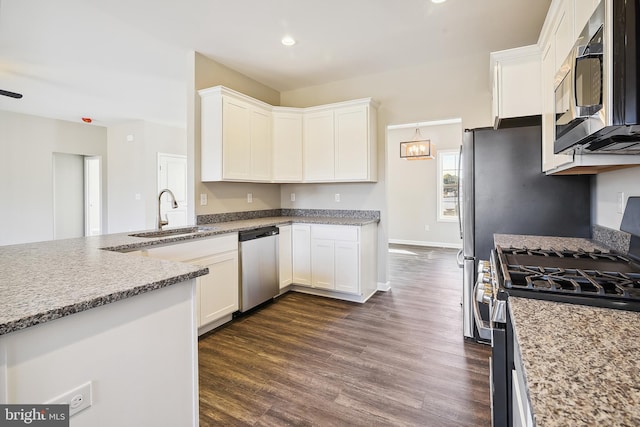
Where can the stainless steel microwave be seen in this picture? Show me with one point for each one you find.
(597, 107)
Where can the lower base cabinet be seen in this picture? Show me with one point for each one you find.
(335, 260)
(217, 292)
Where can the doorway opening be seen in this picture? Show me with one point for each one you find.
(77, 195)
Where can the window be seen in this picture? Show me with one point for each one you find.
(448, 208)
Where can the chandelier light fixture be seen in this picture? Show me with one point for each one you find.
(417, 149)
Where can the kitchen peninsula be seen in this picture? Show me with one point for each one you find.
(84, 310)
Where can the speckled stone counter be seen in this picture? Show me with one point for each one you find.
(43, 281)
(582, 364)
(547, 242)
(48, 280)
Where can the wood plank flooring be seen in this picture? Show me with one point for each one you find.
(398, 360)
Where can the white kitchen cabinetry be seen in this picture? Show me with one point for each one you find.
(287, 145)
(355, 154)
(319, 149)
(563, 31)
(236, 137)
(583, 9)
(515, 83)
(335, 257)
(216, 292)
(285, 256)
(243, 139)
(340, 142)
(301, 244)
(338, 261)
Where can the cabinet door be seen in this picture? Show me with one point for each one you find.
(347, 267)
(218, 290)
(322, 264)
(287, 147)
(319, 148)
(285, 256)
(260, 145)
(352, 143)
(583, 9)
(563, 33)
(516, 82)
(301, 236)
(236, 137)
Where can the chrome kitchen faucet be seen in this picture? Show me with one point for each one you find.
(174, 205)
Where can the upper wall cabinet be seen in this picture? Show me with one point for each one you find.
(244, 139)
(236, 137)
(340, 142)
(515, 82)
(287, 145)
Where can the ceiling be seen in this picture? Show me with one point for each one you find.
(116, 60)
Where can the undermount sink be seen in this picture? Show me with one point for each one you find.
(173, 232)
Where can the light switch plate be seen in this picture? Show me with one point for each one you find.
(249, 197)
(203, 199)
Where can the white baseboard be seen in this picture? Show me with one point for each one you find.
(384, 287)
(423, 243)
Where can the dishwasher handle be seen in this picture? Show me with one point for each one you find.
(258, 233)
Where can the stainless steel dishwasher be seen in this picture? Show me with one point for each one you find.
(258, 266)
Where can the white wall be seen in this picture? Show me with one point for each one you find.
(26, 171)
(605, 188)
(133, 172)
(412, 196)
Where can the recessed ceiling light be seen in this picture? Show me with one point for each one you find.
(288, 41)
(438, 1)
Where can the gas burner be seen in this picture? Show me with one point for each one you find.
(566, 253)
(588, 282)
(605, 279)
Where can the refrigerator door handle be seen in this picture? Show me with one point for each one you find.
(459, 195)
(460, 258)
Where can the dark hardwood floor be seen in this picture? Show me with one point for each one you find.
(398, 360)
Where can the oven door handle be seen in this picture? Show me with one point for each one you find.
(484, 330)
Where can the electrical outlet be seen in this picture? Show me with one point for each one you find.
(78, 399)
(203, 199)
(337, 197)
(620, 202)
(293, 197)
(137, 196)
(249, 197)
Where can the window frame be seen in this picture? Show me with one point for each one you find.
(441, 185)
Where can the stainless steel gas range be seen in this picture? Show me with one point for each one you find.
(594, 278)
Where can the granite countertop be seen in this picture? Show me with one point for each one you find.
(123, 242)
(581, 363)
(547, 242)
(48, 280)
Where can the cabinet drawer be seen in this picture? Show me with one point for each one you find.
(196, 248)
(348, 233)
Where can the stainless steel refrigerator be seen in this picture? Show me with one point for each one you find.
(503, 190)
